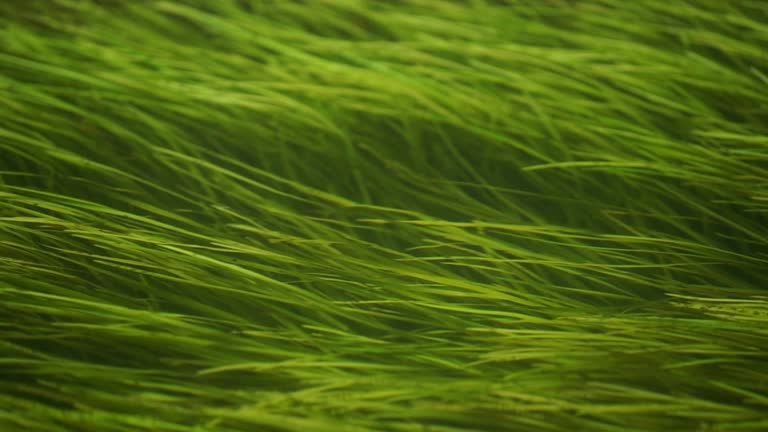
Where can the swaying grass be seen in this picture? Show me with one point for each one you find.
(413, 215)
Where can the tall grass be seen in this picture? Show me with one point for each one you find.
(413, 215)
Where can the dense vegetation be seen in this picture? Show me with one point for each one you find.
(413, 215)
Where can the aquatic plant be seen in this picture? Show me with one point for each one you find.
(413, 215)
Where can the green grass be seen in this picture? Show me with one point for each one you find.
(413, 215)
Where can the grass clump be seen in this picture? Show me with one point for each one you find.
(347, 215)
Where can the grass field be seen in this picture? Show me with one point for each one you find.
(369, 216)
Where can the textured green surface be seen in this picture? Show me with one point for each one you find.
(414, 215)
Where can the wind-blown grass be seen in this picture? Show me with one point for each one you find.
(415, 215)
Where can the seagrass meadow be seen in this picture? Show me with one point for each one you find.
(370, 216)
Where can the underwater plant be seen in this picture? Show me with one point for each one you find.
(359, 215)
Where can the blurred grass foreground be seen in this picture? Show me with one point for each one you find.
(369, 216)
